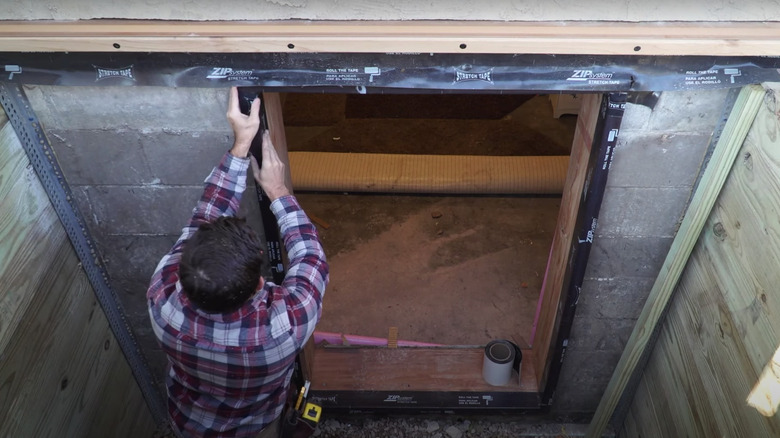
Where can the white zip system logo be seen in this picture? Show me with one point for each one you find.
(400, 399)
(591, 77)
(230, 74)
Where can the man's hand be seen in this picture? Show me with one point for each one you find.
(271, 175)
(244, 126)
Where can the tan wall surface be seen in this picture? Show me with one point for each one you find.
(62, 373)
(509, 10)
(722, 328)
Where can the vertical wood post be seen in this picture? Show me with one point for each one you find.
(273, 112)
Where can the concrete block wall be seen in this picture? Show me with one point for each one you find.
(656, 163)
(136, 158)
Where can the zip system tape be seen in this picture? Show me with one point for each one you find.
(41, 155)
(501, 358)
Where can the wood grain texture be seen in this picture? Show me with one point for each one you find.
(607, 38)
(412, 369)
(273, 111)
(734, 133)
(25, 219)
(61, 373)
(722, 326)
(549, 307)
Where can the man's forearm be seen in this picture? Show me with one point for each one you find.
(222, 190)
(307, 275)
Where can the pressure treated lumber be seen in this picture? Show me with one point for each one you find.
(710, 185)
(24, 220)
(765, 396)
(602, 38)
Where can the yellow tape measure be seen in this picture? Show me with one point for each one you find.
(312, 412)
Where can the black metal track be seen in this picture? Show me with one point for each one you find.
(41, 155)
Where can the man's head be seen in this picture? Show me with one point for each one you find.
(220, 265)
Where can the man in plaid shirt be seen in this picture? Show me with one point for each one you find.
(231, 338)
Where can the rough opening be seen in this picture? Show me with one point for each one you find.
(449, 269)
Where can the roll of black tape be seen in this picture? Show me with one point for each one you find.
(501, 357)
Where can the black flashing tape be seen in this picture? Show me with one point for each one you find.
(605, 140)
(390, 73)
(271, 233)
(419, 402)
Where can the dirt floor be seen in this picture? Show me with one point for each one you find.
(456, 270)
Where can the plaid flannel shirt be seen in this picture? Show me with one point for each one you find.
(228, 374)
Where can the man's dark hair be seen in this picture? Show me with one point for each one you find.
(221, 264)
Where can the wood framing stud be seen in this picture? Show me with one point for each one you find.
(595, 38)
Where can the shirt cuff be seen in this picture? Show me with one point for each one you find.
(283, 205)
(232, 164)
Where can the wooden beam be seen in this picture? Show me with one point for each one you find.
(576, 38)
(734, 133)
(549, 306)
(412, 369)
(274, 115)
(273, 111)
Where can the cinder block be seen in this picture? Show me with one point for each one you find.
(154, 355)
(184, 158)
(84, 206)
(168, 109)
(100, 157)
(142, 209)
(688, 111)
(657, 159)
(641, 212)
(134, 256)
(595, 334)
(627, 257)
(132, 295)
(584, 377)
(613, 297)
(635, 117)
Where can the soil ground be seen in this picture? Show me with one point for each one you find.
(456, 270)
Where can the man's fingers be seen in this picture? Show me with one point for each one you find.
(233, 100)
(254, 112)
(268, 147)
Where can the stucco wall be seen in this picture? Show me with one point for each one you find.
(509, 10)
